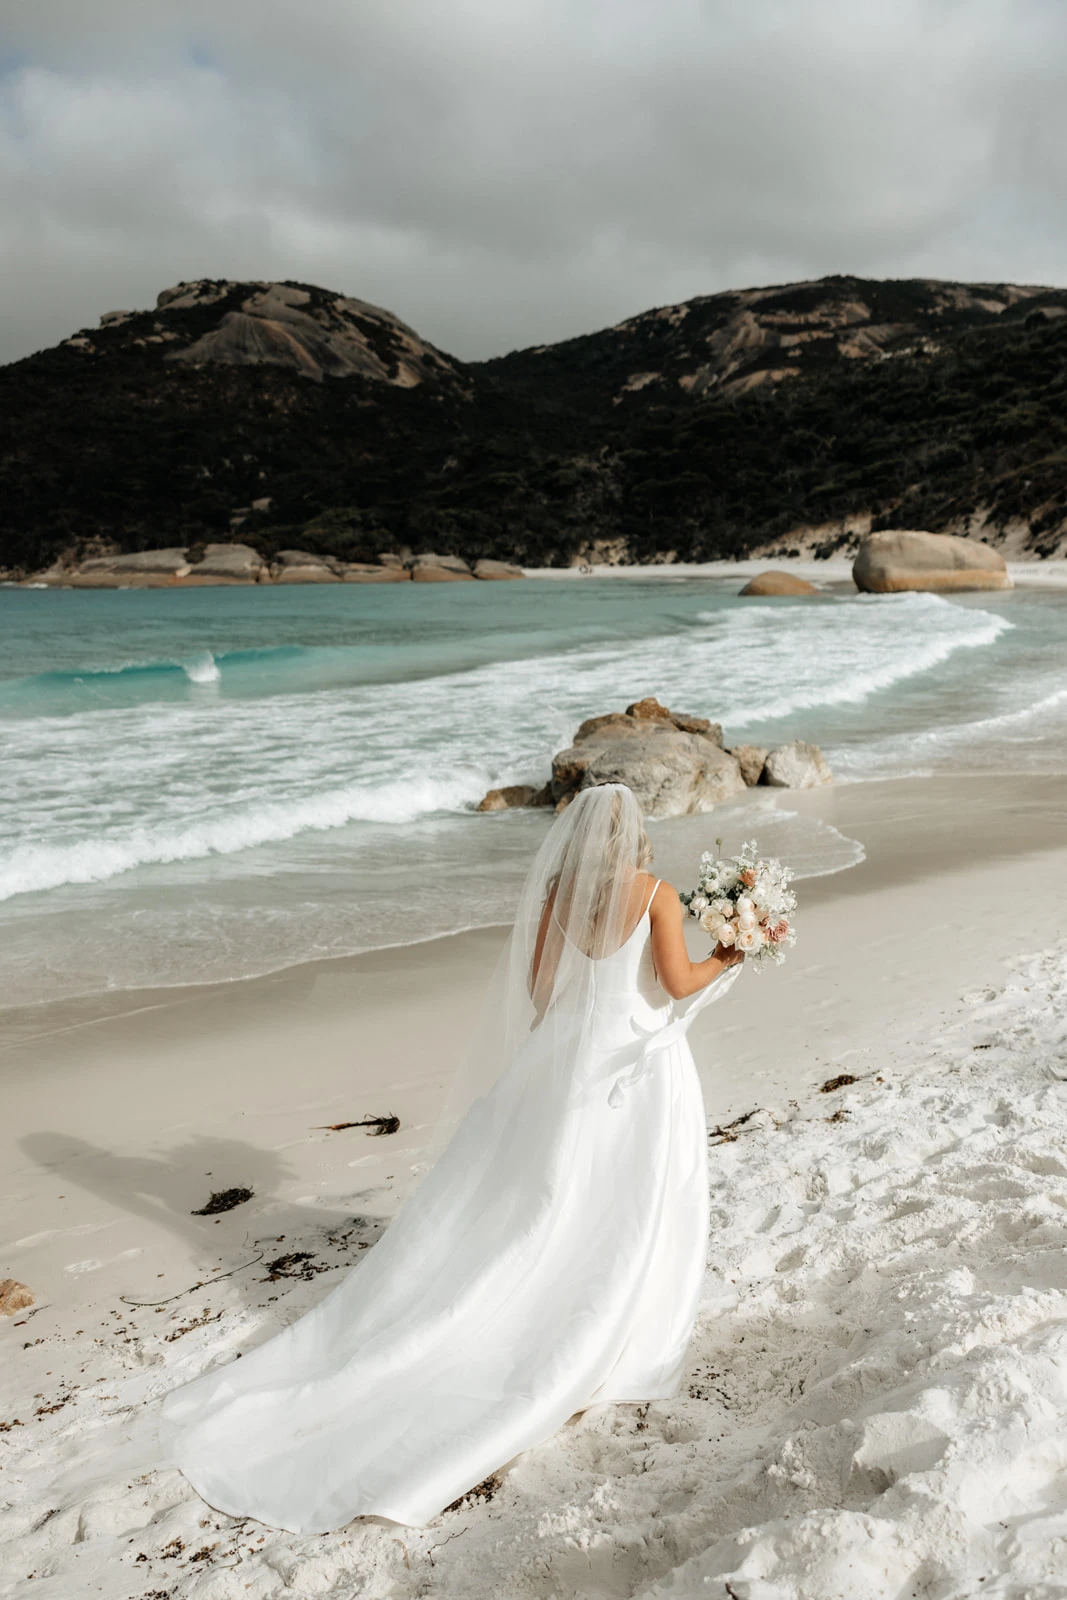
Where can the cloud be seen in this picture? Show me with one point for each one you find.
(504, 172)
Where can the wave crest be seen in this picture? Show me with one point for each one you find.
(35, 867)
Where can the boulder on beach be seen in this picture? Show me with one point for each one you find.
(514, 795)
(440, 569)
(140, 569)
(57, 573)
(228, 563)
(796, 766)
(14, 1296)
(490, 570)
(902, 558)
(167, 561)
(675, 764)
(300, 566)
(369, 572)
(770, 583)
(750, 758)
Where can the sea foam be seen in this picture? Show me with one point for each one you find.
(35, 867)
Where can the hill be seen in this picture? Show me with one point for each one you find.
(708, 429)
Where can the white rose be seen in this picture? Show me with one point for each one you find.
(746, 921)
(711, 922)
(745, 904)
(727, 933)
(749, 939)
(726, 907)
(698, 904)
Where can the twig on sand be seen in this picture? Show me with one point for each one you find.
(728, 1133)
(194, 1286)
(380, 1125)
(440, 1546)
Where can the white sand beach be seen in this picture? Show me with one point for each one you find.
(876, 1397)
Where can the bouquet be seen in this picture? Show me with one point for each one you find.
(745, 902)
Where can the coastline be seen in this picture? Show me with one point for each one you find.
(834, 571)
(185, 1070)
(124, 1113)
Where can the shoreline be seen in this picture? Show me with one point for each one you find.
(1035, 572)
(862, 810)
(834, 570)
(125, 1113)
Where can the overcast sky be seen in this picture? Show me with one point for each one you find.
(505, 172)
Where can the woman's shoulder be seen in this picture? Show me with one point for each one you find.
(662, 895)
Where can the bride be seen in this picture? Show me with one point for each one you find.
(552, 1258)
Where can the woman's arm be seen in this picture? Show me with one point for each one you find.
(676, 972)
(545, 959)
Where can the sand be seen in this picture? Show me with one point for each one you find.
(885, 1325)
(835, 572)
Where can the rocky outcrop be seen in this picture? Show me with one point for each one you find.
(514, 795)
(491, 570)
(750, 758)
(907, 559)
(228, 563)
(367, 572)
(311, 331)
(300, 566)
(674, 763)
(144, 569)
(239, 563)
(774, 583)
(153, 569)
(440, 569)
(14, 1296)
(796, 766)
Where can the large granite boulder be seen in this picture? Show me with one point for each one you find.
(228, 563)
(796, 766)
(675, 764)
(300, 566)
(778, 583)
(487, 569)
(750, 758)
(905, 559)
(141, 569)
(369, 572)
(57, 573)
(168, 561)
(514, 795)
(440, 569)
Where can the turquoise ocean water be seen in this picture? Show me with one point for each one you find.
(205, 784)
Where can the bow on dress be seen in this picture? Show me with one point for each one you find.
(657, 1039)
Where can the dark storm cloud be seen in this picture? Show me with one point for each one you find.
(502, 172)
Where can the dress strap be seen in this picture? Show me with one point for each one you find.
(652, 896)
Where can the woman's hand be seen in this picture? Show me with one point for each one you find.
(728, 954)
(677, 974)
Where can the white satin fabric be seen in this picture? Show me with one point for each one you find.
(551, 1260)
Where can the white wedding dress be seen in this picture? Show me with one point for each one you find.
(552, 1260)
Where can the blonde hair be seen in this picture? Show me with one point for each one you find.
(644, 843)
